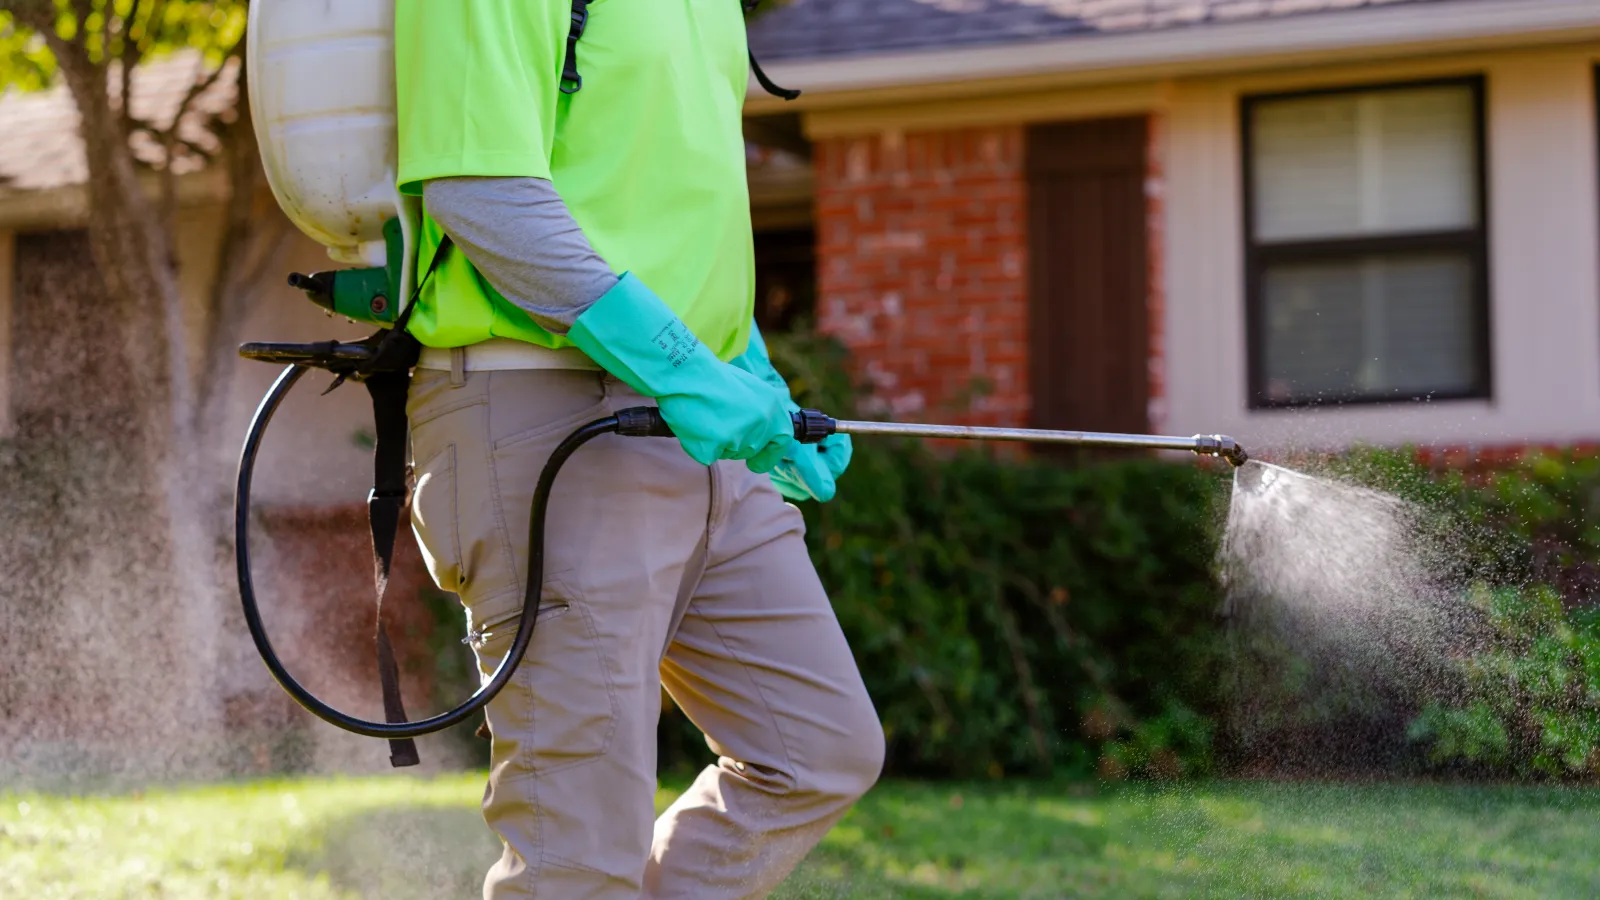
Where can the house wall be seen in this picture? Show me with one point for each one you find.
(922, 262)
(311, 551)
(922, 331)
(1544, 262)
(1155, 190)
(313, 457)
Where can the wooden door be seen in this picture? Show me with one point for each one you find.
(1089, 328)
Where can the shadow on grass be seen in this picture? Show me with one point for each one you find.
(402, 853)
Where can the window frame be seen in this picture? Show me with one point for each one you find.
(1258, 257)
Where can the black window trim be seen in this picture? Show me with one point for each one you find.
(1474, 241)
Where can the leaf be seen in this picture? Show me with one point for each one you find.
(214, 28)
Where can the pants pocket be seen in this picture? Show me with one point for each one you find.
(434, 518)
(560, 709)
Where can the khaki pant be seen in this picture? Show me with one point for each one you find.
(658, 571)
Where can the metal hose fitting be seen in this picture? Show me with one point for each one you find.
(1221, 445)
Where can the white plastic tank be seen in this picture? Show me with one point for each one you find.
(321, 76)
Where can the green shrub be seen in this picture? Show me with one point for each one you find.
(1012, 615)
(1533, 701)
(1473, 734)
(1527, 543)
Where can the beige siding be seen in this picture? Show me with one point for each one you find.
(311, 458)
(1544, 259)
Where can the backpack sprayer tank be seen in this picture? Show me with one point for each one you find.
(322, 96)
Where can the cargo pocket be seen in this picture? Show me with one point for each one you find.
(433, 518)
(560, 709)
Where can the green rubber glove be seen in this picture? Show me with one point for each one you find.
(807, 471)
(718, 411)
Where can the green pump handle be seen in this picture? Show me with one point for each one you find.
(361, 295)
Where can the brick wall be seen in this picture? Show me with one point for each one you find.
(1155, 229)
(922, 261)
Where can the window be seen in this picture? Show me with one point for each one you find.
(786, 278)
(1366, 247)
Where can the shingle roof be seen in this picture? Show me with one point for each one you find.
(812, 29)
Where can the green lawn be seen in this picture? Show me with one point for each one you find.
(397, 837)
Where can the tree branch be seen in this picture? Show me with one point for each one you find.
(1006, 622)
(170, 139)
(83, 9)
(246, 234)
(38, 15)
(160, 136)
(152, 27)
(205, 84)
(128, 58)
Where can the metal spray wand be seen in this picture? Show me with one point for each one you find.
(812, 426)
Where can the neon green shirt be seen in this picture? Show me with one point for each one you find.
(649, 156)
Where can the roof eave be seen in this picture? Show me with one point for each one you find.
(68, 206)
(1178, 52)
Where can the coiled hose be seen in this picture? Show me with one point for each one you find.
(636, 422)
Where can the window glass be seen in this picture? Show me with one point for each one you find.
(1371, 163)
(1367, 247)
(1378, 325)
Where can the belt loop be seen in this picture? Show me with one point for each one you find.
(458, 366)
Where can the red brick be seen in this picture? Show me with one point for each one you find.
(923, 263)
(1155, 193)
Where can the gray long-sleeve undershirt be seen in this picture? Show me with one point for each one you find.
(520, 236)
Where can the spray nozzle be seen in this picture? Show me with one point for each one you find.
(318, 286)
(1221, 445)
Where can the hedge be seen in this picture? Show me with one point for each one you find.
(1020, 615)
(1017, 616)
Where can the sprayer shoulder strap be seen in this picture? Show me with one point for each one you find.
(388, 381)
(572, 79)
(386, 509)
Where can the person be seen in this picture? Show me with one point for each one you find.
(599, 257)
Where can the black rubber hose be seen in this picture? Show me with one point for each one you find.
(633, 422)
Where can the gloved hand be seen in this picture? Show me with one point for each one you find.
(807, 471)
(717, 410)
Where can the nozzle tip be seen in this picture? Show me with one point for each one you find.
(1223, 446)
(1232, 452)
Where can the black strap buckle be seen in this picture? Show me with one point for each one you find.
(571, 80)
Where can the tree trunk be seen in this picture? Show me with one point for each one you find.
(133, 250)
(249, 256)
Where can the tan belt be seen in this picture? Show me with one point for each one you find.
(502, 354)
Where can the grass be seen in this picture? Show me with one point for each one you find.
(397, 837)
